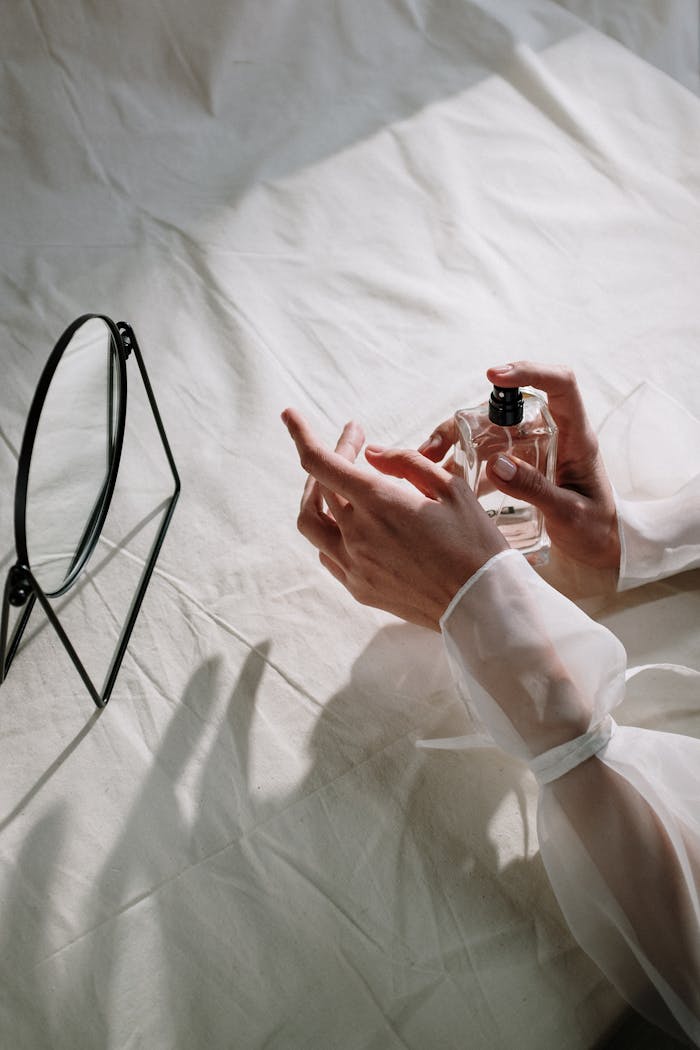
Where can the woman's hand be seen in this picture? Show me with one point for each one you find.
(579, 508)
(404, 549)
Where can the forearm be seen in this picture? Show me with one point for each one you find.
(522, 654)
(618, 831)
(651, 872)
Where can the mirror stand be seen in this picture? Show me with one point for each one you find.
(22, 589)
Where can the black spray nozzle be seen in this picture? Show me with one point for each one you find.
(506, 406)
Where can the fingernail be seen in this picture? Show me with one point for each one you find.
(501, 369)
(284, 417)
(432, 442)
(505, 468)
(375, 448)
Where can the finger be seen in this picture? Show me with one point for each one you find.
(440, 441)
(558, 382)
(518, 479)
(329, 468)
(427, 477)
(311, 510)
(338, 506)
(316, 526)
(312, 495)
(554, 379)
(350, 441)
(349, 444)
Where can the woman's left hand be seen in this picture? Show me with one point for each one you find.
(404, 549)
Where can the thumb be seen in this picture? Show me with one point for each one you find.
(519, 479)
(427, 477)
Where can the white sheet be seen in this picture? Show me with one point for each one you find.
(354, 209)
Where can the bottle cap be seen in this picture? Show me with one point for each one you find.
(506, 406)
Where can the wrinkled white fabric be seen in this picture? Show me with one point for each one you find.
(659, 538)
(619, 811)
(666, 34)
(351, 208)
(650, 448)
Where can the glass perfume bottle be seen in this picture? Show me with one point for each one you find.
(517, 424)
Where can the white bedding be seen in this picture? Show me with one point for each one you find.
(353, 208)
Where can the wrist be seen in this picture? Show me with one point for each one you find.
(521, 650)
(465, 572)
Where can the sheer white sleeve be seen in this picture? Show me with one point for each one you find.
(650, 448)
(619, 807)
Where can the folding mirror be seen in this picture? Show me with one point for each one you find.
(66, 474)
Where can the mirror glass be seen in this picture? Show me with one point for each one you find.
(71, 456)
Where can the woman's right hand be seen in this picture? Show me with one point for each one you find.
(578, 507)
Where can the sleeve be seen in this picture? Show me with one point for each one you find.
(649, 445)
(659, 538)
(619, 807)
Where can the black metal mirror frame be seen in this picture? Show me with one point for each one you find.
(21, 587)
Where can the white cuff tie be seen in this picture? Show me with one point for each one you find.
(552, 764)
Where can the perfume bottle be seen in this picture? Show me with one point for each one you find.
(517, 424)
